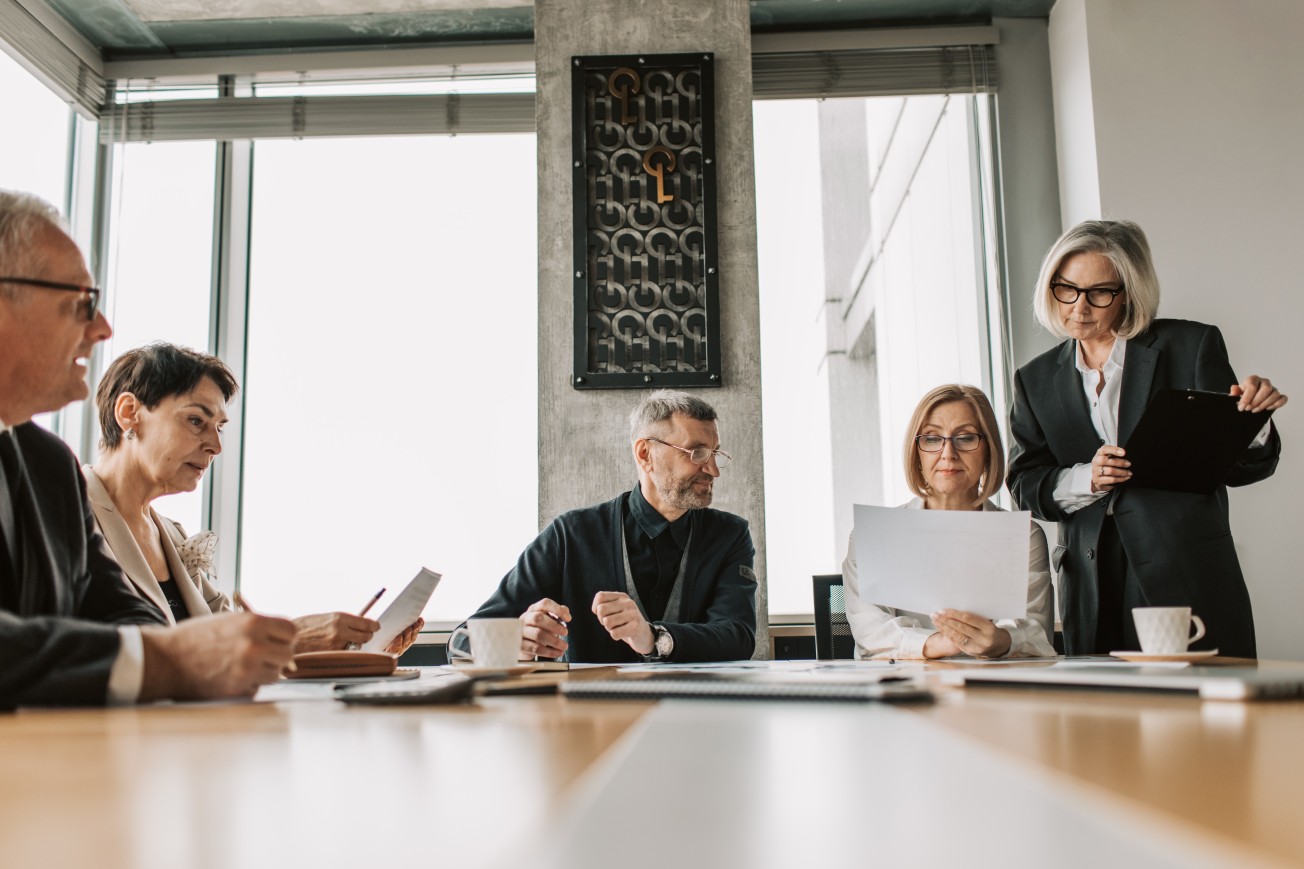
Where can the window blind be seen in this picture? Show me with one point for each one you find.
(51, 60)
(304, 117)
(875, 72)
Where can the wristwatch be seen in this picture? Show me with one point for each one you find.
(664, 642)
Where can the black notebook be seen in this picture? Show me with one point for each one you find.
(1189, 441)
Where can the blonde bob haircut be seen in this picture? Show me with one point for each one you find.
(1122, 243)
(994, 474)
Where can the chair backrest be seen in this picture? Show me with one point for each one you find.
(832, 631)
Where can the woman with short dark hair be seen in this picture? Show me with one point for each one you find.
(162, 409)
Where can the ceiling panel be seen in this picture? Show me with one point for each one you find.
(129, 29)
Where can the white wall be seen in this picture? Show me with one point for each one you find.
(1199, 136)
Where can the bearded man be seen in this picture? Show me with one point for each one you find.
(653, 574)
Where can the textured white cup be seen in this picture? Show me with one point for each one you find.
(495, 643)
(1166, 630)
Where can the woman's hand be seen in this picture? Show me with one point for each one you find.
(970, 634)
(403, 641)
(1257, 393)
(1109, 468)
(326, 632)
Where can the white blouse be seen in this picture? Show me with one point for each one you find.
(883, 632)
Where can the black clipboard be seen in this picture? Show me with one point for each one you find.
(1189, 441)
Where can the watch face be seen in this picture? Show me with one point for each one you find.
(665, 642)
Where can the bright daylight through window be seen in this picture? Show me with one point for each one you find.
(391, 386)
(875, 287)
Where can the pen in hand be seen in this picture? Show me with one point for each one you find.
(242, 606)
(375, 597)
(353, 647)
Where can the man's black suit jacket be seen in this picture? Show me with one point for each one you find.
(61, 595)
(1179, 545)
(581, 553)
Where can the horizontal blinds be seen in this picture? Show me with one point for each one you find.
(780, 75)
(57, 65)
(304, 117)
(875, 72)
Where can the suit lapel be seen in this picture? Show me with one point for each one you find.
(124, 546)
(36, 568)
(1075, 417)
(8, 525)
(1138, 375)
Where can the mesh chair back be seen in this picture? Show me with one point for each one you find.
(832, 631)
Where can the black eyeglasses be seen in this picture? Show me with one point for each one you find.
(700, 455)
(93, 304)
(966, 442)
(1097, 297)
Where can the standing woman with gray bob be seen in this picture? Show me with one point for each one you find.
(1122, 547)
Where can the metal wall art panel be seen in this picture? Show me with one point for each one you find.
(647, 294)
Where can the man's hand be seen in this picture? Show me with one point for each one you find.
(620, 616)
(226, 655)
(543, 630)
(327, 632)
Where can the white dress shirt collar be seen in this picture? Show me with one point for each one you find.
(1104, 404)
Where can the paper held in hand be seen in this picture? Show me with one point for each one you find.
(927, 560)
(405, 609)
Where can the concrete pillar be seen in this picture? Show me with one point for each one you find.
(584, 453)
(1030, 195)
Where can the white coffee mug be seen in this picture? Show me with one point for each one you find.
(495, 643)
(1166, 630)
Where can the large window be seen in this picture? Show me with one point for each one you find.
(37, 160)
(391, 387)
(34, 150)
(876, 276)
(799, 533)
(160, 262)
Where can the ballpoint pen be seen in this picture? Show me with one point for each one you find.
(353, 647)
(242, 606)
(371, 602)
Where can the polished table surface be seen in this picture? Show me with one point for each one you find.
(981, 777)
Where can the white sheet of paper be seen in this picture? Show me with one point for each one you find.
(926, 560)
(405, 609)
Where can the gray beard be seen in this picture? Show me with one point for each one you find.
(683, 496)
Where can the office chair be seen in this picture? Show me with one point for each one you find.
(832, 632)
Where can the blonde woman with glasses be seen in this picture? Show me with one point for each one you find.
(1075, 405)
(954, 460)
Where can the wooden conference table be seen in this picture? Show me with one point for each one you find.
(982, 777)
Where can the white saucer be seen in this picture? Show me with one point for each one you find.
(1147, 658)
(477, 672)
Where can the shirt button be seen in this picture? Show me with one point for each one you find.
(1091, 553)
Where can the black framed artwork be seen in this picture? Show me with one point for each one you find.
(646, 266)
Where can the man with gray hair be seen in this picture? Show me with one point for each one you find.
(653, 574)
(72, 631)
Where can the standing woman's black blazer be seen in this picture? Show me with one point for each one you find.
(1179, 545)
